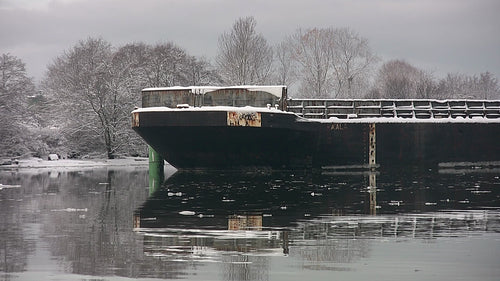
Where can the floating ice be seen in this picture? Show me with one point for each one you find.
(5, 186)
(70, 210)
(170, 194)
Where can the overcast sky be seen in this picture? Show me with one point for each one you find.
(437, 35)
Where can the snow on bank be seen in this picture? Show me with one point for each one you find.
(38, 163)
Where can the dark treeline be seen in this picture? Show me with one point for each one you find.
(81, 108)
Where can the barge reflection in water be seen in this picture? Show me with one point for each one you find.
(323, 222)
(415, 224)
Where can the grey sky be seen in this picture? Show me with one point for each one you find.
(437, 35)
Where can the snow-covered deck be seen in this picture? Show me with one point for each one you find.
(401, 120)
(348, 118)
(187, 108)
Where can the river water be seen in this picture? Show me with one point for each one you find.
(402, 223)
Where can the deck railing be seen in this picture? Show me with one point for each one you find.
(406, 108)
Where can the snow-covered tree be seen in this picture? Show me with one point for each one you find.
(166, 65)
(90, 96)
(15, 87)
(95, 87)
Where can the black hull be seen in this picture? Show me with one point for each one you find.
(410, 143)
(204, 140)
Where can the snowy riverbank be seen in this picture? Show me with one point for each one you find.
(38, 163)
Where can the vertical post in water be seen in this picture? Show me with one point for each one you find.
(372, 191)
(156, 174)
(372, 147)
(373, 165)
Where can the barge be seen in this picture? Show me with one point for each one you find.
(260, 126)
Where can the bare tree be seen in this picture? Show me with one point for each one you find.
(488, 86)
(484, 86)
(312, 50)
(244, 57)
(285, 68)
(332, 62)
(15, 87)
(452, 86)
(352, 63)
(399, 79)
(200, 72)
(426, 87)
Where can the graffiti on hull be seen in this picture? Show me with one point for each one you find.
(244, 119)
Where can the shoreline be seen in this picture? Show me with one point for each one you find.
(38, 163)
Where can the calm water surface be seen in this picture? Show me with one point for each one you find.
(397, 224)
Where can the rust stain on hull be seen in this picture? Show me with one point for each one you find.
(135, 119)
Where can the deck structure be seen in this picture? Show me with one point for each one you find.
(394, 108)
